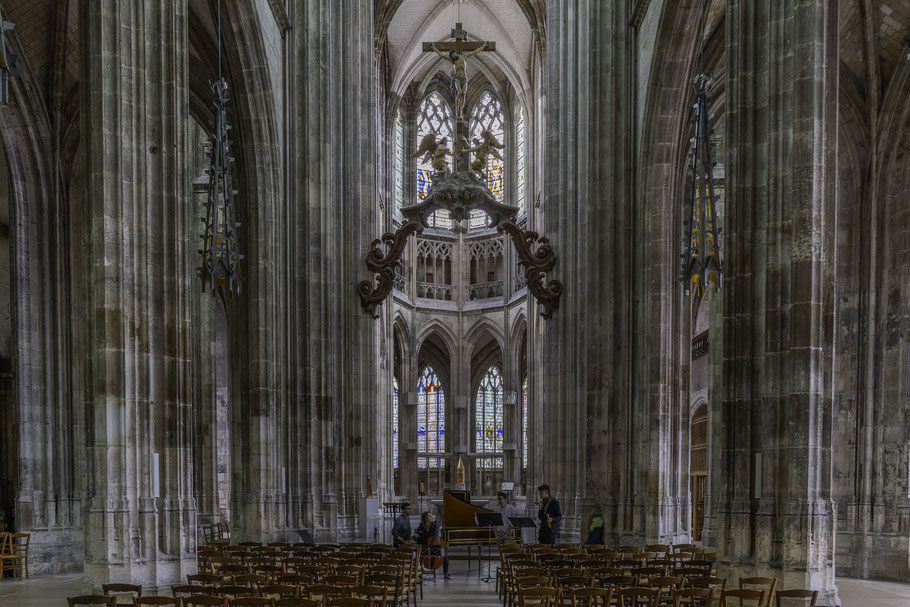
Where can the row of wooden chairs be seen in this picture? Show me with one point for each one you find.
(569, 568)
(381, 592)
(211, 601)
(546, 596)
(254, 564)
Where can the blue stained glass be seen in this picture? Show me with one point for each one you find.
(395, 418)
(399, 165)
(434, 116)
(488, 115)
(431, 419)
(521, 177)
(488, 416)
(524, 422)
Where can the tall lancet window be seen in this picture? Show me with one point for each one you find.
(521, 174)
(395, 420)
(524, 423)
(431, 421)
(399, 165)
(488, 417)
(434, 116)
(487, 116)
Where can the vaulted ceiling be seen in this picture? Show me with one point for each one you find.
(515, 26)
(872, 34)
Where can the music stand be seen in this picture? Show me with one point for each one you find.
(490, 520)
(521, 522)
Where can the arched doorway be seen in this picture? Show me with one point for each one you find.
(698, 468)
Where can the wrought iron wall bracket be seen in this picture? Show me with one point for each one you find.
(459, 193)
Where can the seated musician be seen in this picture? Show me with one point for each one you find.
(401, 530)
(506, 510)
(427, 534)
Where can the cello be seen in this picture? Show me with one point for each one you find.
(430, 561)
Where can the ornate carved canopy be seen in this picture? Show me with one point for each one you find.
(459, 193)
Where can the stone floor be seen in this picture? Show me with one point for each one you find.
(463, 589)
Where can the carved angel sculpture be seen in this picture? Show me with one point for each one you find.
(436, 151)
(487, 146)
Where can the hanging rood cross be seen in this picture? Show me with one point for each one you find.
(458, 52)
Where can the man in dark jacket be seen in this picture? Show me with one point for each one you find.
(401, 530)
(549, 514)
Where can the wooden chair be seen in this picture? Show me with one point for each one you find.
(591, 597)
(768, 584)
(117, 590)
(341, 580)
(138, 601)
(392, 584)
(203, 600)
(323, 592)
(190, 589)
(539, 596)
(376, 595)
(617, 581)
(298, 602)
(643, 575)
(17, 551)
(203, 579)
(741, 595)
(693, 597)
(92, 599)
(659, 548)
(251, 601)
(667, 584)
(8, 560)
(253, 580)
(801, 593)
(716, 584)
(566, 584)
(235, 590)
(280, 591)
(637, 596)
(347, 601)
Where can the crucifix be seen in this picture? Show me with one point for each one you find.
(458, 51)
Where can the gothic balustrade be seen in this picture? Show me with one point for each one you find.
(485, 290)
(429, 290)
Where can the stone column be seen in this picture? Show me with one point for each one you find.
(336, 217)
(775, 514)
(140, 523)
(587, 418)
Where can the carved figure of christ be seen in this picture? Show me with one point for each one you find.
(458, 51)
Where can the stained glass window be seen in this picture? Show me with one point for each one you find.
(431, 421)
(524, 422)
(487, 115)
(395, 419)
(399, 165)
(434, 116)
(521, 166)
(488, 419)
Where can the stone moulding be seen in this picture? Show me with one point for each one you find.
(460, 193)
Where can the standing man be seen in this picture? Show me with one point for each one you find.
(401, 530)
(549, 514)
(506, 510)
